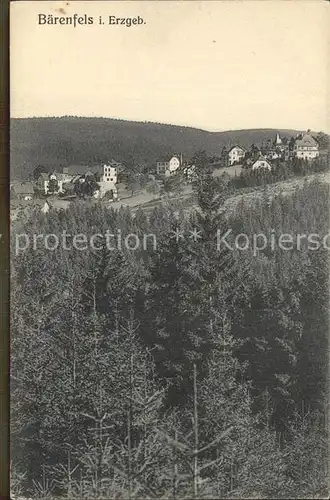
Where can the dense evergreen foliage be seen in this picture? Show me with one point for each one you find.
(281, 171)
(176, 371)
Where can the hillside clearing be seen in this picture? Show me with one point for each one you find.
(188, 203)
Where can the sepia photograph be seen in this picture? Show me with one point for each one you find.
(169, 249)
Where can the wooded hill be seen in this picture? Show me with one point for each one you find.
(57, 141)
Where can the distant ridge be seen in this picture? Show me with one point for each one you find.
(58, 141)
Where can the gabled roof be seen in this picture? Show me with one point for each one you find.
(82, 169)
(88, 173)
(167, 158)
(236, 146)
(113, 163)
(261, 158)
(21, 188)
(94, 169)
(57, 204)
(306, 140)
(44, 176)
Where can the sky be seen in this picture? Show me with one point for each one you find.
(215, 65)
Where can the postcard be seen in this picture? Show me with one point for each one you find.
(169, 214)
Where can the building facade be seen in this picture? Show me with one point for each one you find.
(236, 154)
(22, 190)
(306, 147)
(168, 166)
(108, 174)
(50, 183)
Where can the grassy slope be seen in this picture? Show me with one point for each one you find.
(187, 202)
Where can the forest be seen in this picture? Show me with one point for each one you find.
(185, 371)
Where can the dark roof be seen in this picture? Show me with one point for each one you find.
(261, 158)
(27, 203)
(306, 140)
(168, 158)
(236, 146)
(81, 169)
(95, 169)
(114, 163)
(22, 188)
(44, 176)
(19, 203)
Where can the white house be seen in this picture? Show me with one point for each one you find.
(109, 174)
(168, 166)
(306, 147)
(45, 180)
(261, 162)
(236, 154)
(107, 180)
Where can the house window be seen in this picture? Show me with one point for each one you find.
(111, 179)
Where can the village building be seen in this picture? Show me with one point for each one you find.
(71, 171)
(236, 155)
(273, 154)
(50, 183)
(22, 190)
(106, 176)
(23, 208)
(306, 147)
(261, 162)
(275, 149)
(107, 180)
(107, 173)
(169, 165)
